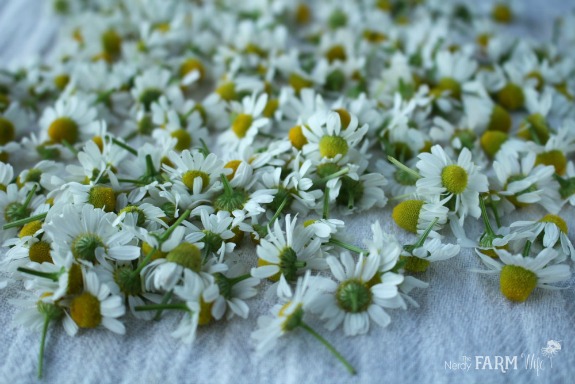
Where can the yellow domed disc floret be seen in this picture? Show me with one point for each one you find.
(242, 124)
(454, 178)
(101, 196)
(491, 142)
(187, 255)
(205, 316)
(511, 97)
(191, 65)
(502, 13)
(331, 146)
(406, 214)
(184, 139)
(336, 53)
(63, 129)
(39, 252)
(554, 157)
(85, 310)
(296, 137)
(344, 117)
(7, 131)
(517, 283)
(500, 120)
(30, 228)
(558, 221)
(448, 84)
(189, 177)
(227, 91)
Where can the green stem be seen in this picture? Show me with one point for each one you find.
(29, 197)
(493, 207)
(150, 169)
(46, 275)
(330, 347)
(169, 231)
(42, 345)
(161, 307)
(488, 228)
(70, 147)
(403, 167)
(125, 146)
(227, 187)
(279, 211)
(19, 223)
(425, 234)
(325, 213)
(165, 301)
(204, 148)
(144, 262)
(527, 248)
(131, 136)
(347, 246)
(334, 175)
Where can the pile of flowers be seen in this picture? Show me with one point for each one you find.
(165, 135)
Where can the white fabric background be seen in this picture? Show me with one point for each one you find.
(461, 314)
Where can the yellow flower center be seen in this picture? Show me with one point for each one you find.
(147, 248)
(384, 5)
(101, 196)
(75, 280)
(271, 107)
(558, 221)
(374, 36)
(99, 142)
(517, 283)
(296, 137)
(309, 222)
(39, 252)
(227, 91)
(331, 146)
(233, 165)
(85, 311)
(500, 120)
(187, 255)
(406, 214)
(415, 264)
(205, 316)
(302, 14)
(555, 158)
(112, 43)
(30, 228)
(454, 178)
(344, 117)
(534, 127)
(191, 65)
(61, 81)
(483, 40)
(242, 124)
(502, 13)
(336, 52)
(184, 139)
(189, 177)
(63, 129)
(491, 142)
(448, 84)
(511, 97)
(298, 82)
(135, 209)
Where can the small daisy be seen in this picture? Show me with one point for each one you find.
(360, 295)
(94, 307)
(287, 254)
(234, 288)
(520, 275)
(68, 121)
(461, 182)
(327, 138)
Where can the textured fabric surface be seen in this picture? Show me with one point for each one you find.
(462, 314)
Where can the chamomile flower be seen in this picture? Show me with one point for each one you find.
(360, 294)
(461, 182)
(287, 254)
(95, 307)
(67, 121)
(519, 275)
(327, 138)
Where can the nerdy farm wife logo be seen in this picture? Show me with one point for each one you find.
(536, 362)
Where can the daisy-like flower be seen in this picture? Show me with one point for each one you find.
(453, 70)
(287, 316)
(67, 121)
(150, 86)
(520, 275)
(430, 251)
(234, 288)
(360, 294)
(415, 215)
(86, 230)
(552, 228)
(94, 307)
(460, 182)
(328, 138)
(18, 204)
(198, 173)
(217, 232)
(522, 182)
(247, 122)
(287, 253)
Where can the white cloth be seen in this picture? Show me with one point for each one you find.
(461, 313)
